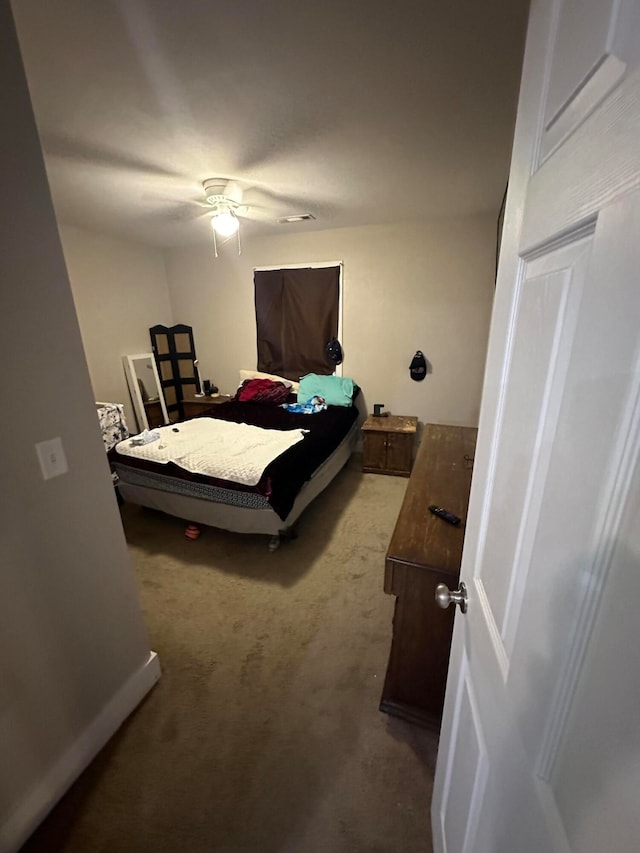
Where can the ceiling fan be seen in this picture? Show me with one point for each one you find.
(229, 201)
(224, 199)
(224, 202)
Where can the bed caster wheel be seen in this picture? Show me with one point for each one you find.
(274, 544)
(283, 536)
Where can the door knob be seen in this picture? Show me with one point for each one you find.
(444, 596)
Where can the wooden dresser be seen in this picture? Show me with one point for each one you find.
(425, 551)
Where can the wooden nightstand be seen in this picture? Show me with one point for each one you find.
(388, 444)
(195, 407)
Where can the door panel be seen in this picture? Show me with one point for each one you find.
(467, 771)
(588, 61)
(582, 41)
(548, 301)
(607, 757)
(565, 571)
(593, 49)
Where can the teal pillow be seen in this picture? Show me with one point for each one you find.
(336, 390)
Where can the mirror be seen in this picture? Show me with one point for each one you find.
(145, 390)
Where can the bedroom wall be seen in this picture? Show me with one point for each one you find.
(411, 286)
(74, 653)
(120, 289)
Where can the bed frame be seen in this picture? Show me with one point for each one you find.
(245, 519)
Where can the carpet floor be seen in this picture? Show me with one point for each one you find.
(263, 735)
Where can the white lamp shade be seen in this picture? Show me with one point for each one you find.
(225, 224)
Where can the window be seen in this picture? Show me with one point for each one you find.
(297, 314)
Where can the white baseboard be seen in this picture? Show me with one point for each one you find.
(59, 778)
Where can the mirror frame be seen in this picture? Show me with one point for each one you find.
(134, 388)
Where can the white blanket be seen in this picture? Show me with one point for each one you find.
(216, 448)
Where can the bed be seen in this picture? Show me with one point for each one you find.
(286, 487)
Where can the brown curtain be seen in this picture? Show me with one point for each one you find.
(296, 317)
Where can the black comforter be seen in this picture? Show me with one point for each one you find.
(285, 476)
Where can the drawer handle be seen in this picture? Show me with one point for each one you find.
(444, 596)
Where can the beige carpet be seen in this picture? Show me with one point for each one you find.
(264, 733)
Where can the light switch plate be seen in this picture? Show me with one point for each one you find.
(51, 456)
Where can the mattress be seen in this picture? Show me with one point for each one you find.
(281, 480)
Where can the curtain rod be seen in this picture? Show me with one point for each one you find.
(307, 266)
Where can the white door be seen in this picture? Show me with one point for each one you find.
(540, 744)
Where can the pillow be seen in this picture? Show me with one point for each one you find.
(256, 374)
(263, 391)
(336, 390)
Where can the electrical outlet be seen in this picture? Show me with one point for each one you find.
(51, 456)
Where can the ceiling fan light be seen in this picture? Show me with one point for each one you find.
(225, 224)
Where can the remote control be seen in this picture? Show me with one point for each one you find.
(445, 515)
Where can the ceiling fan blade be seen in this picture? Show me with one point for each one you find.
(195, 214)
(180, 213)
(268, 205)
(234, 191)
(256, 213)
(101, 158)
(175, 199)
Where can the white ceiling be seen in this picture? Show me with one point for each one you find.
(360, 112)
